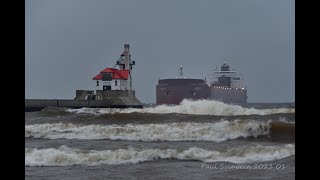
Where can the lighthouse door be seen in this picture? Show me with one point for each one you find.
(106, 87)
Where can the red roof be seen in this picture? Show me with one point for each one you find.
(116, 74)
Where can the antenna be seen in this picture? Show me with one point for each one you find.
(181, 71)
(117, 62)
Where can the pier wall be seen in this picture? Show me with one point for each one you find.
(101, 94)
(120, 102)
(81, 94)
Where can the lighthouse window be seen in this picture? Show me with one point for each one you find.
(106, 77)
(116, 83)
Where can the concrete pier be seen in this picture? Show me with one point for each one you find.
(111, 102)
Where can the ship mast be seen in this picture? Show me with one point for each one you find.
(180, 73)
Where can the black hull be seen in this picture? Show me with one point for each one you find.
(173, 91)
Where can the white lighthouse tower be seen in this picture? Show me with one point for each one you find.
(125, 63)
(117, 79)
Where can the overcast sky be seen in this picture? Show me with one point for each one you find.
(70, 41)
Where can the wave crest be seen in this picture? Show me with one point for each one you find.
(65, 156)
(184, 131)
(199, 107)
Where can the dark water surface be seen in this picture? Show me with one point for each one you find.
(195, 140)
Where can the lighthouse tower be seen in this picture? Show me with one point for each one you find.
(117, 79)
(125, 63)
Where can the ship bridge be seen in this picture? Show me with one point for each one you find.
(226, 78)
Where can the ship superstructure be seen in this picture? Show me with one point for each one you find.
(226, 78)
(227, 85)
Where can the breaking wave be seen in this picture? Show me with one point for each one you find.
(65, 156)
(200, 107)
(184, 131)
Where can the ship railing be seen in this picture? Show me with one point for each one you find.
(225, 71)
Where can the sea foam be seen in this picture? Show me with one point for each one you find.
(65, 156)
(183, 131)
(200, 107)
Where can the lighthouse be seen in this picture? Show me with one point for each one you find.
(114, 90)
(120, 78)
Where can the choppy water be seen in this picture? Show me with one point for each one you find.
(194, 140)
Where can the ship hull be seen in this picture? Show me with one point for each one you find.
(173, 91)
(228, 95)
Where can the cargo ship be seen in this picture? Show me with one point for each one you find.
(223, 85)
